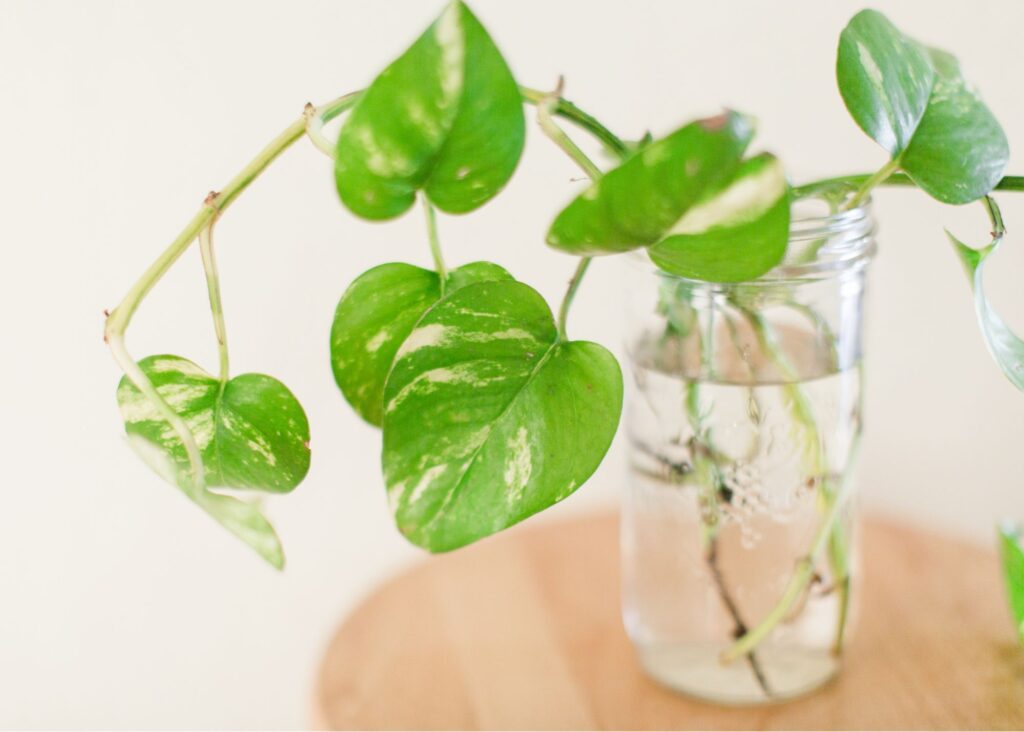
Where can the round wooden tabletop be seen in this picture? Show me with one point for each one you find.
(523, 632)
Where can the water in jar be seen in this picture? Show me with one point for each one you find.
(740, 443)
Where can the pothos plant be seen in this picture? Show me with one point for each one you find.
(489, 411)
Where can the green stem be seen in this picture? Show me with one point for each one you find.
(876, 179)
(213, 289)
(706, 458)
(570, 294)
(315, 130)
(800, 405)
(317, 117)
(1008, 183)
(995, 217)
(804, 571)
(435, 244)
(739, 627)
(545, 107)
(705, 470)
(711, 485)
(197, 477)
(754, 411)
(814, 459)
(118, 321)
(567, 110)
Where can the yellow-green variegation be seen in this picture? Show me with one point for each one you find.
(489, 417)
(736, 233)
(637, 203)
(376, 313)
(914, 102)
(445, 117)
(251, 432)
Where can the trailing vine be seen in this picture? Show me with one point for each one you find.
(489, 412)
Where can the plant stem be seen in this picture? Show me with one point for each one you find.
(1008, 183)
(995, 217)
(804, 569)
(877, 178)
(544, 110)
(197, 476)
(545, 104)
(315, 130)
(213, 289)
(754, 410)
(317, 117)
(815, 465)
(118, 321)
(435, 243)
(710, 482)
(739, 627)
(570, 294)
(567, 110)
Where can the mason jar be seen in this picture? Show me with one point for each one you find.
(744, 416)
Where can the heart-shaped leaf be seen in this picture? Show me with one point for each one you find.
(1004, 345)
(915, 103)
(885, 79)
(251, 431)
(959, 151)
(638, 202)
(1013, 571)
(376, 313)
(736, 234)
(489, 417)
(445, 117)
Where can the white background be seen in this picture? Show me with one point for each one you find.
(121, 604)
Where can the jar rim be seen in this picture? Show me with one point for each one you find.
(838, 241)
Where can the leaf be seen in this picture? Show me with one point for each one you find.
(959, 151)
(376, 313)
(490, 418)
(636, 203)
(1013, 571)
(914, 101)
(445, 117)
(885, 79)
(735, 235)
(1006, 348)
(251, 431)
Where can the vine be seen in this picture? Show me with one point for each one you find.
(489, 412)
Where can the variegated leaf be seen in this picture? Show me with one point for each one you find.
(914, 102)
(251, 431)
(885, 79)
(638, 202)
(445, 117)
(737, 233)
(1006, 347)
(959, 151)
(374, 316)
(489, 417)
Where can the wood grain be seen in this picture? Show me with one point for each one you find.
(523, 632)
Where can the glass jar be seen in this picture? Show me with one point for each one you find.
(744, 416)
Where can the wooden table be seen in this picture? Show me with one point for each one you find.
(523, 631)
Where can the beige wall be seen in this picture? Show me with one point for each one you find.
(121, 604)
